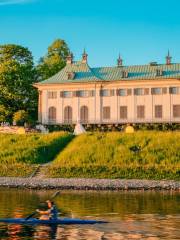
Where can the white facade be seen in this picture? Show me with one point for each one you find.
(148, 107)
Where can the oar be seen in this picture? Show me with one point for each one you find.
(30, 216)
(34, 213)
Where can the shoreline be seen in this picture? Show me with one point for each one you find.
(88, 184)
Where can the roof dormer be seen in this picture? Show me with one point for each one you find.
(70, 75)
(159, 72)
(124, 74)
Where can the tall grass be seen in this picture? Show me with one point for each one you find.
(20, 154)
(150, 155)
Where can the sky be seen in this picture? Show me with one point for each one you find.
(142, 31)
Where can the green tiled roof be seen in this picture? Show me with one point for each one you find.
(83, 73)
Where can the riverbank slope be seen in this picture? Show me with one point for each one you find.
(152, 155)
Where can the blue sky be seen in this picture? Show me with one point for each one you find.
(141, 30)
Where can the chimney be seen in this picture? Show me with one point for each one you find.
(69, 59)
(119, 61)
(168, 59)
(84, 57)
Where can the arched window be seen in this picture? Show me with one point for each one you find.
(68, 114)
(84, 114)
(52, 115)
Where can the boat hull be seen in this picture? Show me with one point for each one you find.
(34, 221)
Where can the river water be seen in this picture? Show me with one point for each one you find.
(131, 215)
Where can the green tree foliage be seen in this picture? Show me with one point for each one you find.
(54, 60)
(20, 117)
(17, 74)
(4, 113)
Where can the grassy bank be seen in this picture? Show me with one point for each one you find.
(20, 154)
(150, 155)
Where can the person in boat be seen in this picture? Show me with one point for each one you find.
(53, 210)
(50, 214)
(44, 213)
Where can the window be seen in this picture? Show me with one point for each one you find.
(104, 92)
(67, 94)
(138, 91)
(123, 112)
(52, 95)
(84, 114)
(176, 111)
(122, 92)
(156, 91)
(141, 91)
(107, 92)
(52, 114)
(106, 113)
(83, 93)
(174, 90)
(158, 111)
(140, 111)
(68, 114)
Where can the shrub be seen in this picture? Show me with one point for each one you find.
(20, 117)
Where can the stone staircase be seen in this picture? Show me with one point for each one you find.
(39, 171)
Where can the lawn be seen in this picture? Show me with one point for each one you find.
(20, 154)
(142, 155)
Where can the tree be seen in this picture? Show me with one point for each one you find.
(54, 60)
(4, 114)
(17, 74)
(20, 117)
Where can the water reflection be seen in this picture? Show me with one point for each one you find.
(131, 215)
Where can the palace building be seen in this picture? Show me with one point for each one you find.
(111, 95)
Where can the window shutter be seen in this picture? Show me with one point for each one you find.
(106, 112)
(112, 92)
(140, 111)
(91, 93)
(77, 93)
(164, 90)
(123, 112)
(117, 92)
(61, 94)
(100, 92)
(74, 93)
(129, 92)
(176, 110)
(158, 111)
(52, 95)
(146, 91)
(135, 91)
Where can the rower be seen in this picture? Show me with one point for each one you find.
(52, 209)
(50, 214)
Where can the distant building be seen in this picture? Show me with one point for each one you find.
(111, 95)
